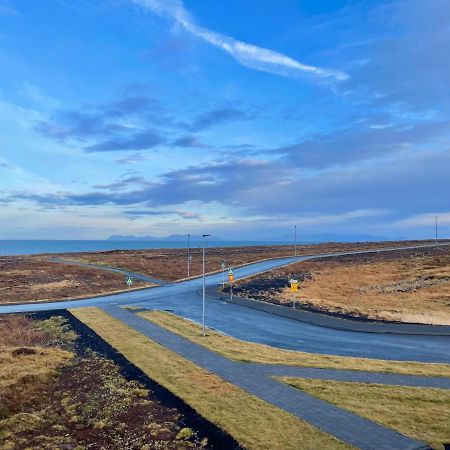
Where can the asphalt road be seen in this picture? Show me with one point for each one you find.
(257, 326)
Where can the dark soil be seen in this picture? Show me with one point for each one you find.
(98, 401)
(204, 431)
(265, 288)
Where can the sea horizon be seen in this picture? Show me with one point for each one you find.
(11, 247)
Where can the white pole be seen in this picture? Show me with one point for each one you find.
(436, 229)
(188, 254)
(203, 267)
(295, 240)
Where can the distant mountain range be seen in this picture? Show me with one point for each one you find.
(170, 238)
(326, 237)
(330, 237)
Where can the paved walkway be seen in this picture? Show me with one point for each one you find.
(124, 272)
(256, 379)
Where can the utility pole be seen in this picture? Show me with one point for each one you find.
(295, 240)
(436, 229)
(223, 265)
(204, 293)
(188, 254)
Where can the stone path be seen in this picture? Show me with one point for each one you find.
(256, 379)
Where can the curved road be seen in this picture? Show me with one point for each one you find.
(257, 326)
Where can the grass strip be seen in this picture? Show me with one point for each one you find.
(238, 350)
(254, 423)
(422, 413)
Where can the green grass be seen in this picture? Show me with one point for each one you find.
(251, 352)
(254, 423)
(421, 413)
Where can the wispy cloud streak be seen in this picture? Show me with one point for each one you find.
(248, 55)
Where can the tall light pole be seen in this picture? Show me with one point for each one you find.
(436, 229)
(223, 265)
(295, 240)
(189, 254)
(203, 266)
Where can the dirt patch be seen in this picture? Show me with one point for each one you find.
(81, 399)
(24, 279)
(401, 286)
(408, 285)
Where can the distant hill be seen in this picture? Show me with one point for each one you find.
(170, 238)
(330, 237)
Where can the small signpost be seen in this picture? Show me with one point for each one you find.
(294, 288)
(294, 285)
(129, 281)
(231, 280)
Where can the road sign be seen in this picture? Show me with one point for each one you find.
(129, 281)
(294, 285)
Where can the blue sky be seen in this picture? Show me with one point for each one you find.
(239, 118)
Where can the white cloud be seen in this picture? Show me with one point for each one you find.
(31, 92)
(248, 55)
(423, 220)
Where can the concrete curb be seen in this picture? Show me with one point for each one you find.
(336, 323)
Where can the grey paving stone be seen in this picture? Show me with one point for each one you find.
(256, 380)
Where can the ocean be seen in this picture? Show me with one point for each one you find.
(30, 247)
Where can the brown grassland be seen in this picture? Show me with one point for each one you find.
(423, 414)
(406, 286)
(251, 352)
(54, 398)
(36, 278)
(171, 264)
(254, 423)
(28, 279)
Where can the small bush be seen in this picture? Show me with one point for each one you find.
(185, 434)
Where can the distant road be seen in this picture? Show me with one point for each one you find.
(126, 273)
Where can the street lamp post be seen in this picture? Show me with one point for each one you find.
(436, 229)
(188, 255)
(295, 240)
(223, 265)
(204, 293)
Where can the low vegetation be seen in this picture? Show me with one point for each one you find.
(53, 397)
(254, 423)
(171, 264)
(29, 279)
(406, 286)
(37, 278)
(423, 414)
(251, 352)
